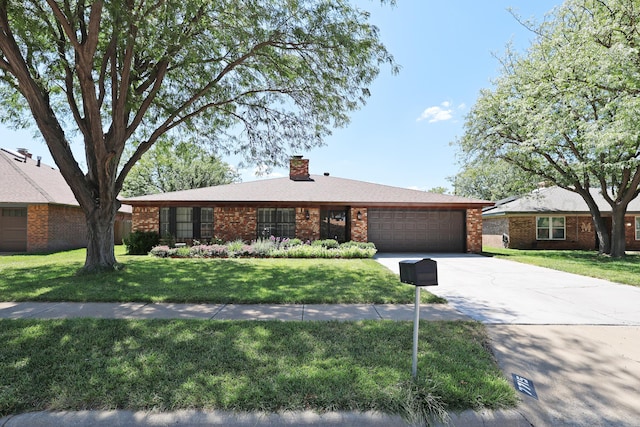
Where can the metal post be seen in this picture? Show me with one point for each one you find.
(416, 323)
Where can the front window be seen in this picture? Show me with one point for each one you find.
(278, 222)
(206, 223)
(165, 229)
(550, 228)
(638, 228)
(184, 223)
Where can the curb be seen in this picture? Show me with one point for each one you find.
(501, 418)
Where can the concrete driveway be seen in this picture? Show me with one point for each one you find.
(576, 339)
(496, 291)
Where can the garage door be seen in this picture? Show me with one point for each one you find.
(417, 230)
(13, 229)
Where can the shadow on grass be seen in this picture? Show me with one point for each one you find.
(244, 366)
(240, 281)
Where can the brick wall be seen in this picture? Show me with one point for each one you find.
(630, 234)
(54, 228)
(231, 223)
(359, 228)
(307, 229)
(37, 228)
(145, 218)
(492, 231)
(579, 234)
(474, 230)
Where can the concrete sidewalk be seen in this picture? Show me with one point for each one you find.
(285, 312)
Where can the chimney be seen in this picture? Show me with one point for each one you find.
(299, 169)
(25, 152)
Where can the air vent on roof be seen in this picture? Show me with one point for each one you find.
(326, 174)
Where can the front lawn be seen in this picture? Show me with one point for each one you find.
(240, 281)
(586, 263)
(168, 365)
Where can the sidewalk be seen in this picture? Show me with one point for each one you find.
(298, 312)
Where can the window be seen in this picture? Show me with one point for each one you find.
(186, 223)
(550, 228)
(206, 223)
(14, 212)
(276, 222)
(165, 228)
(638, 228)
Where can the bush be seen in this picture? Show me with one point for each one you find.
(327, 243)
(141, 242)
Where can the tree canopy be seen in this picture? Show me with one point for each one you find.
(262, 78)
(568, 109)
(170, 166)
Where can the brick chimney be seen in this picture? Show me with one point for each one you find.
(299, 169)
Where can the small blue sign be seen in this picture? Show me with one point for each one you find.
(525, 386)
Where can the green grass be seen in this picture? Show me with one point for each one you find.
(168, 365)
(243, 281)
(586, 263)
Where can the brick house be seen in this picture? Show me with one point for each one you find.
(311, 207)
(38, 211)
(552, 218)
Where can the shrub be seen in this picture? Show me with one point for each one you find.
(141, 242)
(326, 243)
(263, 247)
(161, 251)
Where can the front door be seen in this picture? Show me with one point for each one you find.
(334, 223)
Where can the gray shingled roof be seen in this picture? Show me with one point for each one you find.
(26, 182)
(319, 189)
(553, 200)
(22, 181)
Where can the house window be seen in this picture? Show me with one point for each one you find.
(276, 222)
(14, 212)
(550, 228)
(206, 223)
(165, 228)
(186, 223)
(638, 228)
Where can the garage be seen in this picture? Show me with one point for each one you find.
(13, 229)
(412, 230)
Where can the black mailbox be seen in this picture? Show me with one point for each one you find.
(421, 272)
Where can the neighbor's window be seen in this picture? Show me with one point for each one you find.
(276, 222)
(638, 228)
(165, 229)
(550, 228)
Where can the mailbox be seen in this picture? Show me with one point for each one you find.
(422, 272)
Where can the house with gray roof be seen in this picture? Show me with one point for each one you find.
(38, 211)
(552, 218)
(311, 207)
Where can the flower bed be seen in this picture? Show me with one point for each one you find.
(269, 248)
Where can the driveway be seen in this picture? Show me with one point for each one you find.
(496, 291)
(576, 339)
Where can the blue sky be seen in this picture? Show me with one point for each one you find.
(402, 136)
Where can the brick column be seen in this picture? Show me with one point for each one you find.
(359, 227)
(37, 228)
(474, 230)
(308, 229)
(145, 218)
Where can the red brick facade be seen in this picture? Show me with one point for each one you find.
(359, 229)
(54, 227)
(231, 223)
(580, 233)
(474, 230)
(145, 218)
(307, 229)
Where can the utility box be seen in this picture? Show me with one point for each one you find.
(422, 272)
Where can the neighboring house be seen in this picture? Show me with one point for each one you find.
(553, 218)
(38, 211)
(311, 207)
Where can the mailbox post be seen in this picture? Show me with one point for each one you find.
(419, 273)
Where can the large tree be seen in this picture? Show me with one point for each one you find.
(264, 78)
(173, 166)
(569, 109)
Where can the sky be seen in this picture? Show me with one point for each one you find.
(402, 137)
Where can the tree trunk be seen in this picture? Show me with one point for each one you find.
(100, 243)
(604, 240)
(618, 242)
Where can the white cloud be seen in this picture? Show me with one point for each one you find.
(439, 113)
